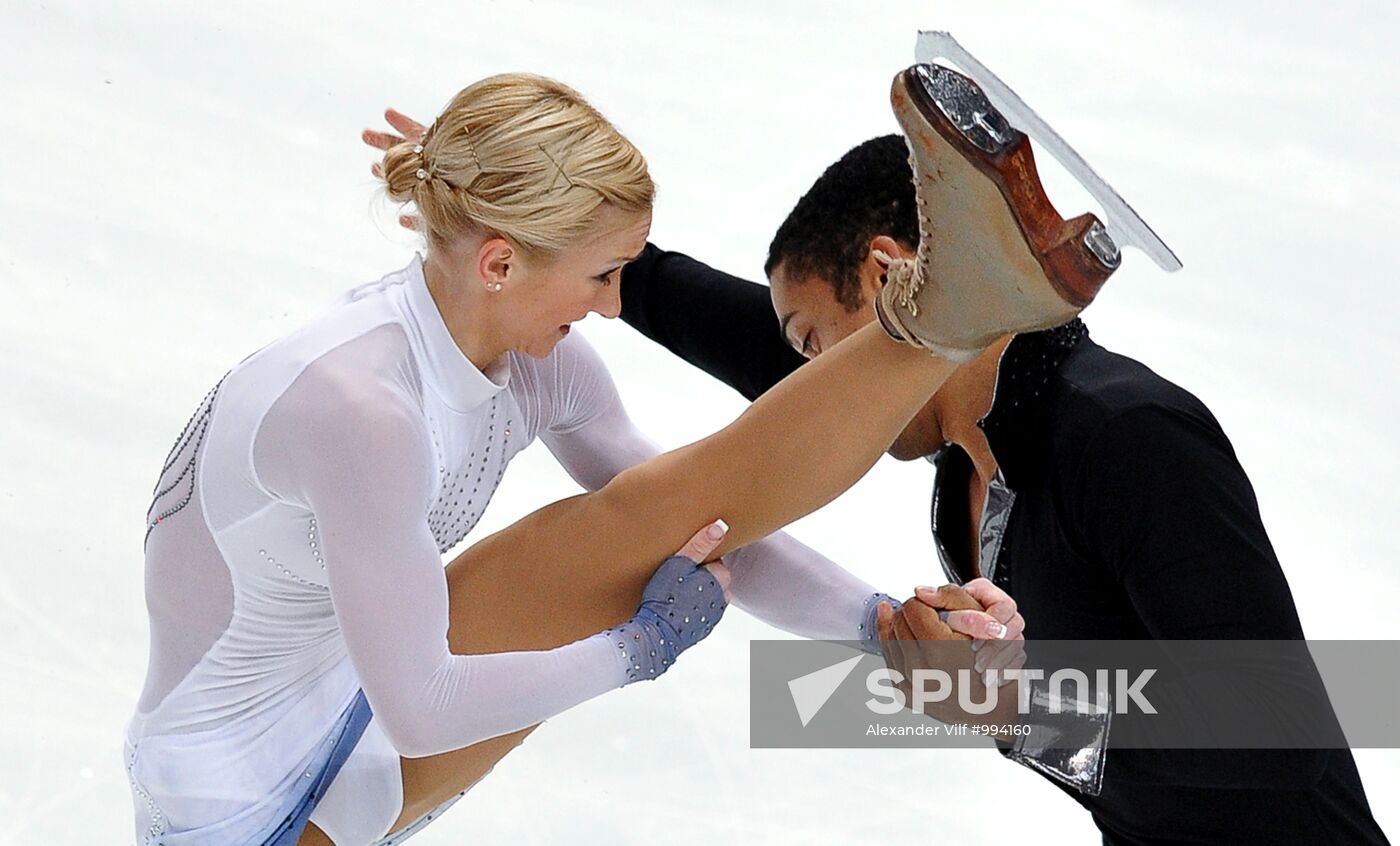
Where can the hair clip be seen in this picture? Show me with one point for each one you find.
(557, 167)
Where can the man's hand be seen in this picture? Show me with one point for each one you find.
(998, 632)
(910, 641)
(409, 130)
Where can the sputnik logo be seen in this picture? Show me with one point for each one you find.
(812, 691)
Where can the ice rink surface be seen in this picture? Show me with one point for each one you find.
(184, 182)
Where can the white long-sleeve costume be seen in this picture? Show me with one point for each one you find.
(294, 556)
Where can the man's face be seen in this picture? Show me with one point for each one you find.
(813, 321)
(811, 318)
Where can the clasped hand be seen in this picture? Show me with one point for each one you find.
(924, 640)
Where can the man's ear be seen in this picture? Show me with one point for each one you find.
(884, 244)
(883, 248)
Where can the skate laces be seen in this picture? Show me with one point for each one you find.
(904, 281)
(903, 273)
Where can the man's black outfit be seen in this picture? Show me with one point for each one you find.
(1127, 516)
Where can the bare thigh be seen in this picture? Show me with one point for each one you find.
(564, 572)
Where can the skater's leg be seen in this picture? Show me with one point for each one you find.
(313, 836)
(795, 449)
(578, 566)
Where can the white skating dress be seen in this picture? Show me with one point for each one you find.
(294, 557)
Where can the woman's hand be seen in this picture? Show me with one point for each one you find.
(998, 631)
(979, 610)
(919, 647)
(409, 130)
(680, 606)
(701, 545)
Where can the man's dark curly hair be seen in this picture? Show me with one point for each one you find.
(867, 192)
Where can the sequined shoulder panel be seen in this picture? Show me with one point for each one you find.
(175, 487)
(464, 491)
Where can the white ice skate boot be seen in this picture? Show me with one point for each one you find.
(994, 256)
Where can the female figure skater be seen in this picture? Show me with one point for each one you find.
(293, 564)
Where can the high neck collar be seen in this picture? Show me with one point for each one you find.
(452, 376)
(1023, 388)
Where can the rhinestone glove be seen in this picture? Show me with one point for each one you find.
(680, 605)
(869, 632)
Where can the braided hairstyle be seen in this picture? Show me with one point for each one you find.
(868, 192)
(520, 156)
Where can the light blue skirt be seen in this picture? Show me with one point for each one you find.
(330, 756)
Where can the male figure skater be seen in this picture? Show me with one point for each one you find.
(1105, 499)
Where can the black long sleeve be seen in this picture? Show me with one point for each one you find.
(1164, 504)
(720, 323)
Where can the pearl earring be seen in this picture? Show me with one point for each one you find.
(496, 287)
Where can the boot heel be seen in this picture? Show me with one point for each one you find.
(1080, 262)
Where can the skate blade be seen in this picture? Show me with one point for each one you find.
(996, 221)
(1125, 226)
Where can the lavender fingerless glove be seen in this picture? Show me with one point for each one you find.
(869, 633)
(680, 606)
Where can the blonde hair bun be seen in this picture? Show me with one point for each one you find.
(521, 156)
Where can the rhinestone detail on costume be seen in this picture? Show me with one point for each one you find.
(461, 501)
(288, 573)
(187, 443)
(314, 540)
(157, 826)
